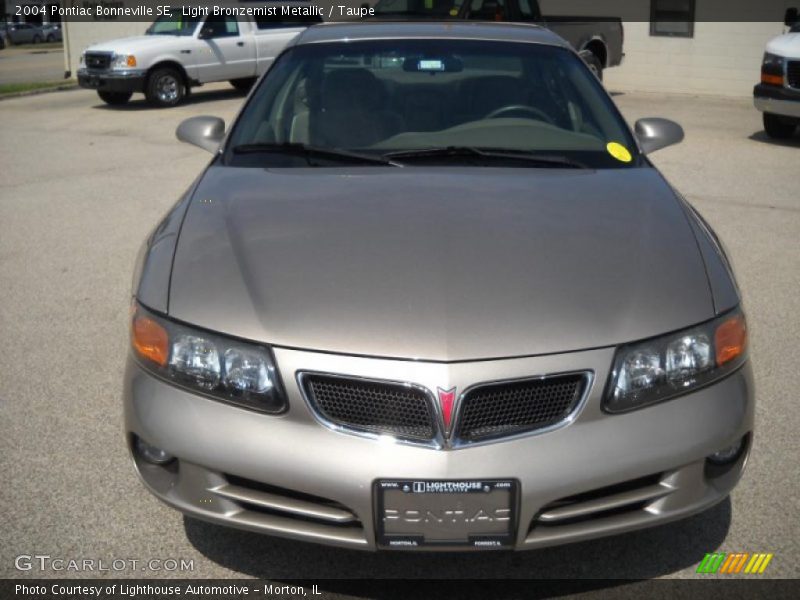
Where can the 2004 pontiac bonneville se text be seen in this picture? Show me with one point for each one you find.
(431, 294)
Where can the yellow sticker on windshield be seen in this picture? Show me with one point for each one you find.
(453, 12)
(619, 152)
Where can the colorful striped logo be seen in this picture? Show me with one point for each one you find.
(734, 562)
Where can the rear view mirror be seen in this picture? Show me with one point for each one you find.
(654, 134)
(791, 17)
(204, 132)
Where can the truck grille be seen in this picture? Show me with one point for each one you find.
(793, 73)
(378, 407)
(97, 60)
(512, 407)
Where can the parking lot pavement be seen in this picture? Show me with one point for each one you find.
(80, 187)
(31, 64)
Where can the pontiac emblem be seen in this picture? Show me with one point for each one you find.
(447, 399)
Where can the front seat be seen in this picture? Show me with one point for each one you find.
(351, 111)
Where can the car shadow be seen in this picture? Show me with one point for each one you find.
(637, 555)
(138, 102)
(761, 136)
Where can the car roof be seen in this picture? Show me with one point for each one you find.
(464, 30)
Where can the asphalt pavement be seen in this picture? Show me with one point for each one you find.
(81, 184)
(31, 64)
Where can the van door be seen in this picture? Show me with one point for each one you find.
(226, 50)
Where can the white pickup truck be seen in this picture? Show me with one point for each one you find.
(179, 52)
(778, 94)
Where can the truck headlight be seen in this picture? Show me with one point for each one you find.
(772, 69)
(123, 61)
(226, 369)
(661, 368)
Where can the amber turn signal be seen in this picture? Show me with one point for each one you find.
(131, 60)
(771, 79)
(150, 340)
(730, 339)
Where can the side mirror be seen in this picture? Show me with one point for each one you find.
(791, 17)
(203, 132)
(654, 134)
(206, 33)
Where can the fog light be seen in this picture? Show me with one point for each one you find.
(151, 454)
(727, 455)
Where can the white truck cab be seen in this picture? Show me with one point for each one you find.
(778, 94)
(179, 52)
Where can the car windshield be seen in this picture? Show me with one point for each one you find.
(431, 101)
(173, 25)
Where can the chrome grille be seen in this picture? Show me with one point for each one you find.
(513, 407)
(793, 73)
(377, 407)
(97, 60)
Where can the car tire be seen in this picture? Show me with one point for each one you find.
(165, 87)
(51, 38)
(779, 127)
(37, 39)
(594, 64)
(243, 85)
(115, 98)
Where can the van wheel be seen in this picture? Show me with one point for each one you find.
(165, 87)
(594, 64)
(778, 127)
(243, 85)
(115, 98)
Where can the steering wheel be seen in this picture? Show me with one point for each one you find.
(523, 108)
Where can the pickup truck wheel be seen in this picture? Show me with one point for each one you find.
(778, 127)
(594, 64)
(165, 87)
(243, 85)
(115, 98)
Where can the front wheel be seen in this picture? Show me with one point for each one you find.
(165, 87)
(243, 85)
(779, 127)
(37, 39)
(51, 38)
(115, 98)
(594, 64)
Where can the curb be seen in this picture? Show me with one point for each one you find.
(55, 88)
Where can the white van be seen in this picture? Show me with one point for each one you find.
(778, 94)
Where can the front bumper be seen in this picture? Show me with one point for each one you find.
(777, 100)
(289, 475)
(129, 80)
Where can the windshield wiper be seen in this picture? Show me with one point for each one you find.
(309, 152)
(486, 153)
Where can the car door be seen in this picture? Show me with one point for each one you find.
(225, 50)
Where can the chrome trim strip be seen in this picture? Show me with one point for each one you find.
(284, 504)
(597, 505)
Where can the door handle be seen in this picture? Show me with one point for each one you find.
(186, 51)
(240, 44)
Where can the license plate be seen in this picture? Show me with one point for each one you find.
(458, 513)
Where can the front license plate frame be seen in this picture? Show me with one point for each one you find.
(446, 513)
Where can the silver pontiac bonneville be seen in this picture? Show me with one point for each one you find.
(431, 294)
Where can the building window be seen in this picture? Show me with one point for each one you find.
(673, 18)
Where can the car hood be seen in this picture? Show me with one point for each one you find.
(133, 43)
(440, 264)
(787, 45)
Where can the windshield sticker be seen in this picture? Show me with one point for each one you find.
(453, 12)
(619, 152)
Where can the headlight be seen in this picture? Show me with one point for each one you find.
(123, 61)
(772, 68)
(654, 370)
(226, 369)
